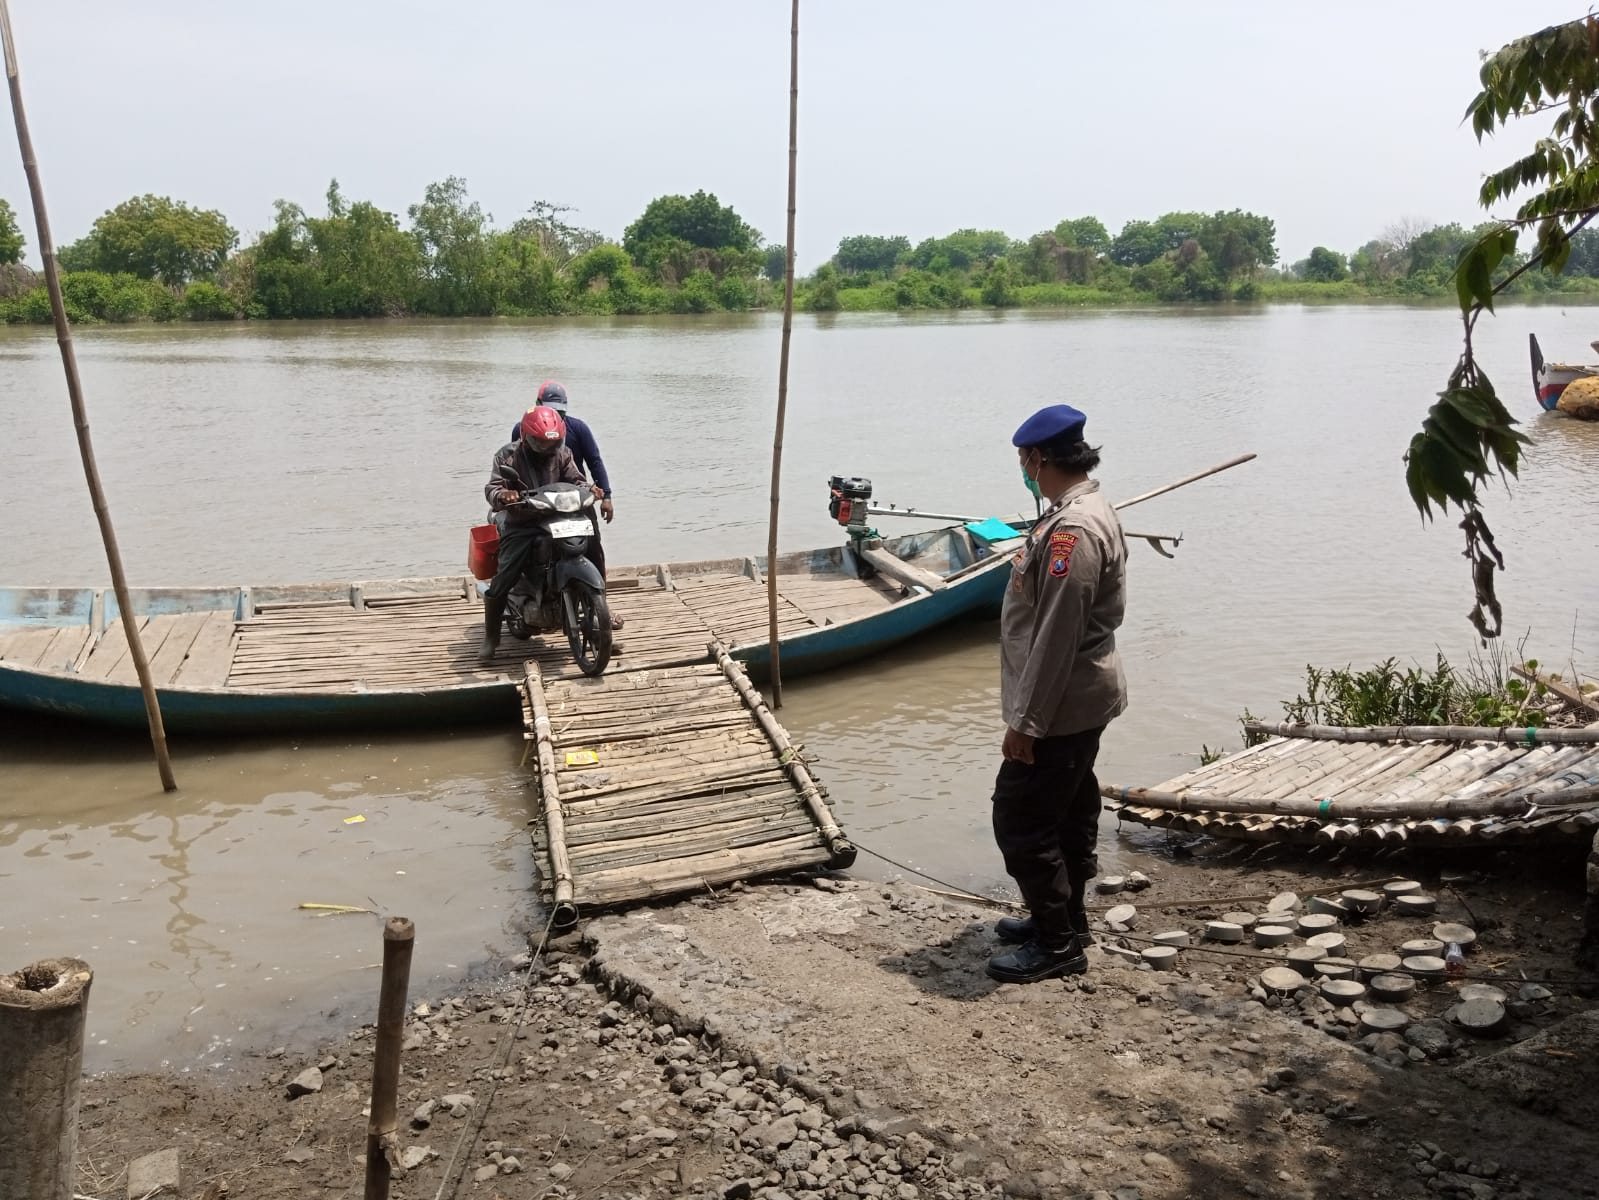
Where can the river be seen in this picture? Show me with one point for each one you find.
(298, 452)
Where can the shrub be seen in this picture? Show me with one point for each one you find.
(204, 301)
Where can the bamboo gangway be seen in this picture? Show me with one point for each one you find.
(1332, 785)
(657, 782)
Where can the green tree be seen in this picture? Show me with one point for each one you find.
(699, 220)
(11, 239)
(1236, 242)
(1468, 433)
(1377, 262)
(824, 289)
(1138, 244)
(557, 239)
(774, 263)
(1325, 266)
(452, 233)
(869, 252)
(1086, 233)
(999, 284)
(156, 237)
(960, 251)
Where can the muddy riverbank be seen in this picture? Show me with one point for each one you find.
(839, 1038)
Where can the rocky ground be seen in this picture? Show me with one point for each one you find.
(838, 1038)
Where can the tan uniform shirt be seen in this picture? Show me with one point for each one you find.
(1059, 671)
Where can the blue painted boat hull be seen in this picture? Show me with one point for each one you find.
(975, 588)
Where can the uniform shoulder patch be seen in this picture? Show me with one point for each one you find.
(1061, 544)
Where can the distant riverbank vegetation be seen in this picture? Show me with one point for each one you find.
(155, 258)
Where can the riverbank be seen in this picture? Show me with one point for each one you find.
(95, 298)
(839, 1038)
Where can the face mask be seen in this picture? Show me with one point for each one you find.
(1032, 484)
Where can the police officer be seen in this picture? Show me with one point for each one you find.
(1060, 684)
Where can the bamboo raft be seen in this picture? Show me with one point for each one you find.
(658, 782)
(1427, 785)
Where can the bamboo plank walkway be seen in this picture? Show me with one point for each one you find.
(1305, 789)
(659, 782)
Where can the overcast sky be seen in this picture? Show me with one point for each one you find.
(916, 116)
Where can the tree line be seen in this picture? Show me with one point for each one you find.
(156, 258)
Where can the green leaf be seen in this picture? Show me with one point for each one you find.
(1474, 407)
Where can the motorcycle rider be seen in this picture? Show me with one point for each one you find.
(538, 457)
(585, 448)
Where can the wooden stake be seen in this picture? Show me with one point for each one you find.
(80, 413)
(782, 362)
(42, 1011)
(399, 935)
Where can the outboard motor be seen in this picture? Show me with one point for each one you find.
(849, 504)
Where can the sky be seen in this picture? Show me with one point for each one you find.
(917, 117)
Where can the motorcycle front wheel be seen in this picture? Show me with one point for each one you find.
(588, 628)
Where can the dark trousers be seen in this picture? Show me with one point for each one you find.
(1046, 820)
(518, 545)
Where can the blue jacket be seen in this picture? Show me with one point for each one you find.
(580, 441)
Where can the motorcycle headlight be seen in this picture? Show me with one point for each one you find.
(568, 502)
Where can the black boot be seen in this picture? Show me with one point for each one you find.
(493, 616)
(1015, 930)
(1033, 961)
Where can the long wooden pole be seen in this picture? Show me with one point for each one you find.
(1187, 479)
(80, 413)
(1358, 808)
(782, 361)
(564, 914)
(399, 936)
(1509, 735)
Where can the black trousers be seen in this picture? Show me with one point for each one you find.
(518, 545)
(1046, 821)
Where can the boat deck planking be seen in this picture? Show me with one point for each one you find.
(424, 640)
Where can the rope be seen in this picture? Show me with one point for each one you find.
(451, 1180)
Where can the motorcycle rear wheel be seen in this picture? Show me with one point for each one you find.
(588, 628)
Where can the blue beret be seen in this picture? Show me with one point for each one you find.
(1047, 424)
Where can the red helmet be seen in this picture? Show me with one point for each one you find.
(542, 430)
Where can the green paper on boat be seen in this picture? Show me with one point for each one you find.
(992, 530)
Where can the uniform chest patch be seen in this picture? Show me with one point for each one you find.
(1061, 544)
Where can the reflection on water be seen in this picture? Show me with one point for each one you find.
(270, 453)
(187, 905)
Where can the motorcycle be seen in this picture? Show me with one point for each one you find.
(561, 588)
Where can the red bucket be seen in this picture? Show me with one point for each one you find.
(483, 551)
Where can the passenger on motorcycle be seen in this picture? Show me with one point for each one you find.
(537, 458)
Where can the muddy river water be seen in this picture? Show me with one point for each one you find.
(306, 452)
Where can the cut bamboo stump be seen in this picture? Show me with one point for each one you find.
(42, 1012)
(382, 1149)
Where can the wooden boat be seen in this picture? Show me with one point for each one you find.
(403, 651)
(1550, 382)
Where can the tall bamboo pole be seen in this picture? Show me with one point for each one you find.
(782, 362)
(80, 413)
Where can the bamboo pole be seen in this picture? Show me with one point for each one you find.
(842, 850)
(561, 891)
(399, 935)
(1184, 482)
(782, 362)
(1571, 695)
(1529, 736)
(1332, 809)
(80, 413)
(42, 1013)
